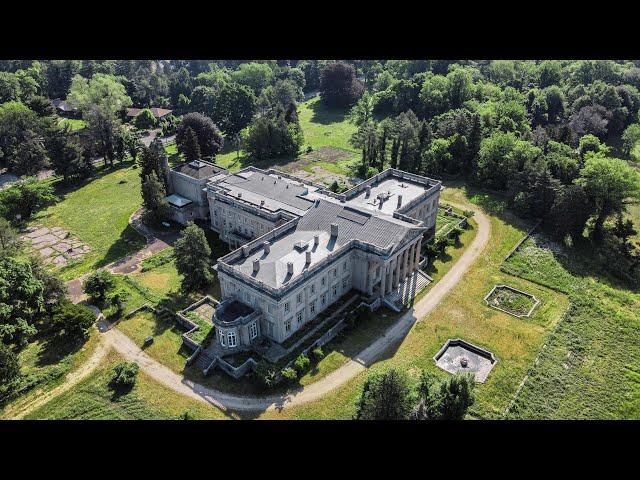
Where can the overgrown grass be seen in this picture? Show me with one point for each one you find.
(92, 399)
(44, 364)
(588, 369)
(98, 212)
(74, 123)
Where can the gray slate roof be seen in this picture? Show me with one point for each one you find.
(199, 169)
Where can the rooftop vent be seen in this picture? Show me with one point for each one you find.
(368, 190)
(334, 229)
(308, 258)
(399, 201)
(239, 194)
(262, 203)
(300, 245)
(245, 251)
(290, 268)
(196, 164)
(316, 240)
(267, 247)
(256, 266)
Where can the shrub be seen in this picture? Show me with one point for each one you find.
(301, 363)
(318, 354)
(98, 285)
(455, 234)
(468, 213)
(288, 374)
(75, 320)
(124, 375)
(385, 396)
(265, 373)
(145, 119)
(118, 300)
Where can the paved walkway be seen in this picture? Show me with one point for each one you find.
(394, 335)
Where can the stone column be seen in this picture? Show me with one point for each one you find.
(390, 267)
(418, 250)
(370, 280)
(405, 263)
(383, 279)
(412, 263)
(396, 279)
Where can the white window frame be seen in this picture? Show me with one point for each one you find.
(253, 330)
(222, 337)
(232, 335)
(300, 317)
(299, 297)
(312, 307)
(287, 307)
(287, 325)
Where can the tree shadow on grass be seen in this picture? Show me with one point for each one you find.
(129, 243)
(325, 115)
(56, 347)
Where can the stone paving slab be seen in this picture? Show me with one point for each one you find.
(55, 245)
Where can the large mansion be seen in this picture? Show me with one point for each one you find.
(299, 246)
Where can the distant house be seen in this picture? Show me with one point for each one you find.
(158, 112)
(64, 108)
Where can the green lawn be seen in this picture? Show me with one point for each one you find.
(74, 123)
(45, 362)
(92, 399)
(589, 369)
(515, 342)
(98, 214)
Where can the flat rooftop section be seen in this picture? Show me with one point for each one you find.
(382, 232)
(384, 195)
(277, 192)
(229, 312)
(199, 169)
(177, 200)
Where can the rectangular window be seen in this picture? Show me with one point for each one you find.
(323, 298)
(287, 325)
(287, 307)
(322, 282)
(335, 290)
(344, 266)
(344, 283)
(231, 338)
(312, 307)
(335, 272)
(253, 330)
(299, 317)
(299, 297)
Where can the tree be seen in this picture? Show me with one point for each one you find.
(448, 399)
(21, 300)
(271, 136)
(210, 140)
(339, 86)
(631, 139)
(366, 138)
(254, 75)
(9, 87)
(74, 320)
(190, 146)
(98, 285)
(124, 376)
(103, 130)
(591, 119)
(362, 111)
(233, 107)
(30, 155)
(385, 396)
(67, 156)
(145, 119)
(192, 253)
(104, 91)
(608, 183)
(10, 242)
(9, 367)
(157, 209)
(21, 200)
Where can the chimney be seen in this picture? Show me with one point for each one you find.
(267, 247)
(239, 194)
(317, 202)
(262, 203)
(334, 229)
(308, 258)
(316, 240)
(290, 268)
(399, 201)
(256, 266)
(245, 251)
(368, 190)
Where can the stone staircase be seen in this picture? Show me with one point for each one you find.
(407, 290)
(203, 361)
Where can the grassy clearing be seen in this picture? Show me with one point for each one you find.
(92, 399)
(98, 213)
(589, 369)
(464, 314)
(322, 126)
(74, 123)
(511, 301)
(45, 362)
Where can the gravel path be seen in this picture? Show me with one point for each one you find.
(394, 334)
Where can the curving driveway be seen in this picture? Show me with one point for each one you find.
(393, 335)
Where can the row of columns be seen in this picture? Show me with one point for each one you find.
(403, 265)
